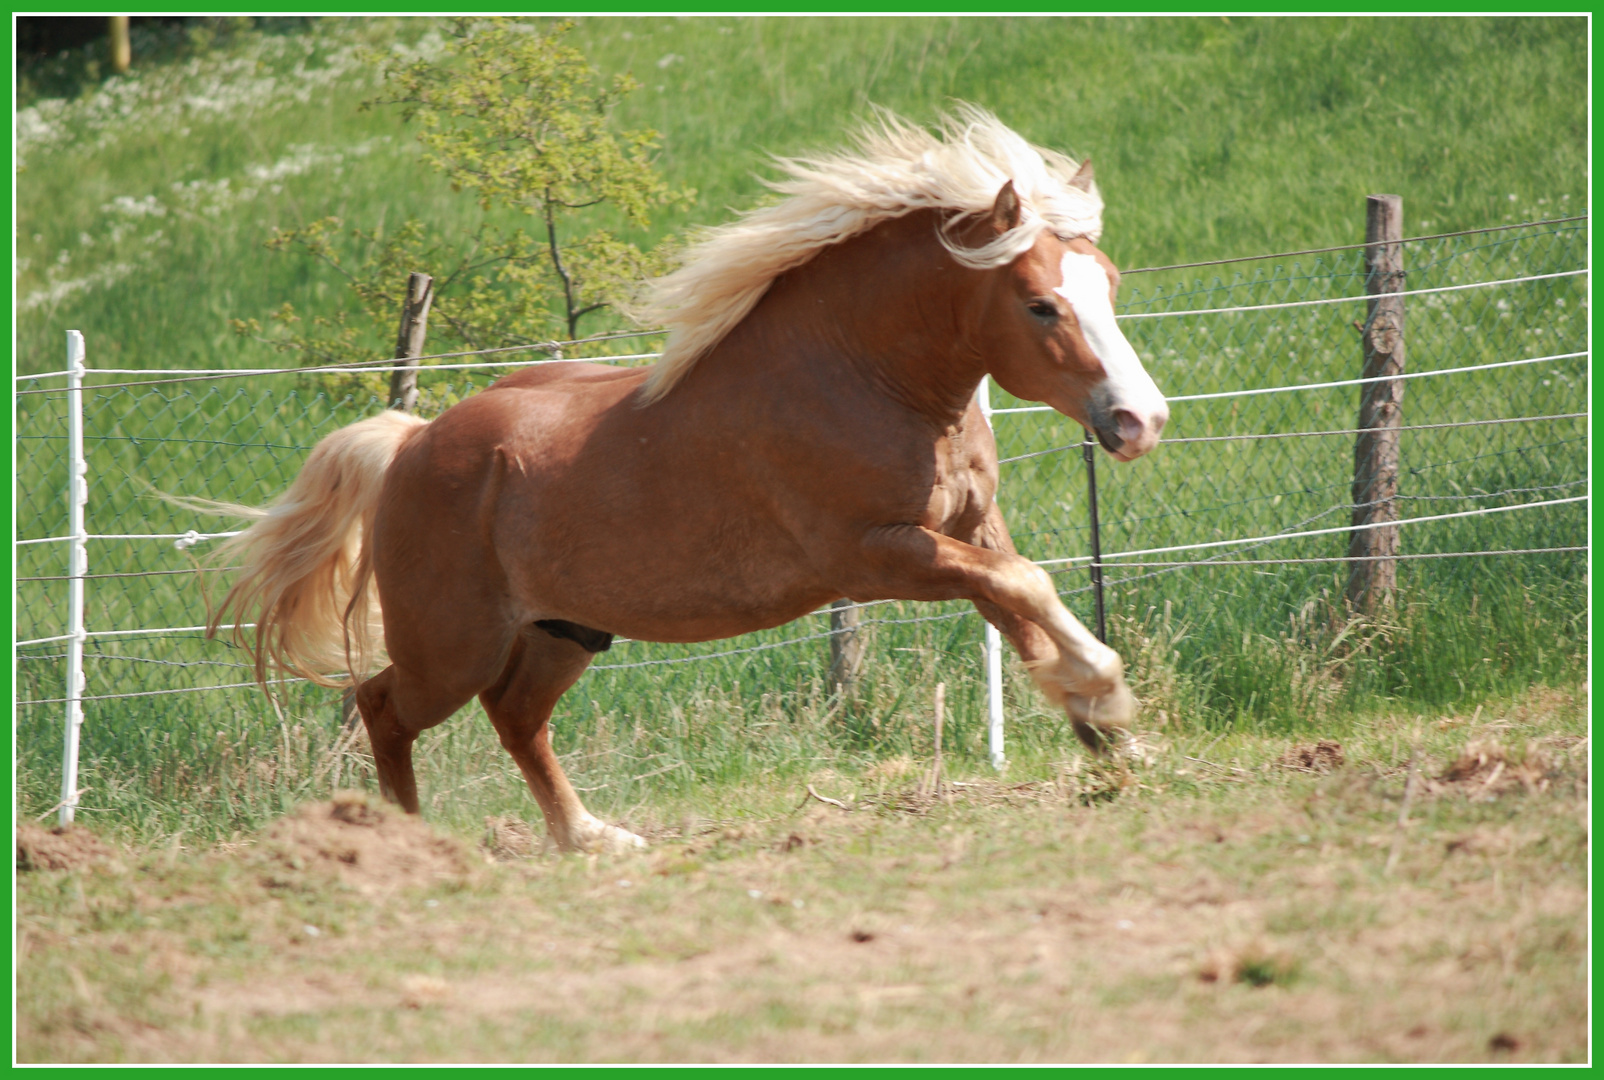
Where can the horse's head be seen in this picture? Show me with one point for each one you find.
(1051, 337)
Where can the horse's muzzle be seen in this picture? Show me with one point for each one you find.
(1111, 441)
(1127, 435)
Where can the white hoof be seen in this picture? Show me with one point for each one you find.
(1100, 675)
(1114, 709)
(1100, 721)
(598, 837)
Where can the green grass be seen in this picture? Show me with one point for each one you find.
(1212, 138)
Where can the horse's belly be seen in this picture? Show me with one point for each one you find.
(664, 593)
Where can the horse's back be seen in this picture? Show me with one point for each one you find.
(576, 373)
(549, 410)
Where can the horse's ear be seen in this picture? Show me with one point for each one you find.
(1083, 176)
(1005, 212)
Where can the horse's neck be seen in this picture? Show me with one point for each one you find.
(894, 306)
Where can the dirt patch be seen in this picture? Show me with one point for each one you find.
(1271, 921)
(1487, 768)
(65, 848)
(1097, 782)
(1322, 757)
(371, 846)
(1490, 840)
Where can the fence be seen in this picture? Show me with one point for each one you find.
(1252, 484)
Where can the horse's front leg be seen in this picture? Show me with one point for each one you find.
(1076, 671)
(1090, 716)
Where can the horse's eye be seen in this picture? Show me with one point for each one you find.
(1044, 309)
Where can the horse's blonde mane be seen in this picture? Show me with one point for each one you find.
(898, 169)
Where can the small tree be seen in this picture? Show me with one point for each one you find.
(519, 120)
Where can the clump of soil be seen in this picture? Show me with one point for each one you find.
(62, 848)
(369, 845)
(1322, 757)
(1487, 767)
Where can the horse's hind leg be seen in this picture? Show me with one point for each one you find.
(540, 669)
(396, 708)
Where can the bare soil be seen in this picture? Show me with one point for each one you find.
(63, 848)
(367, 845)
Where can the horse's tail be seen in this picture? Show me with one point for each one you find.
(305, 568)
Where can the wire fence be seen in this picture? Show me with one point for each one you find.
(1251, 488)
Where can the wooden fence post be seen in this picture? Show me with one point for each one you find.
(1373, 571)
(122, 54)
(409, 341)
(846, 646)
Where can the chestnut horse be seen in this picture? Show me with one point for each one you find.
(811, 433)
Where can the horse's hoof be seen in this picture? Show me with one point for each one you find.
(616, 841)
(1099, 740)
(1100, 721)
(598, 838)
(1117, 708)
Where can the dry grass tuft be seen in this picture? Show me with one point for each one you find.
(891, 768)
(420, 990)
(974, 793)
(1256, 964)
(509, 839)
(1485, 767)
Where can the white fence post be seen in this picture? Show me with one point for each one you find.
(994, 697)
(78, 567)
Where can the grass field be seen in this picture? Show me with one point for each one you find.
(142, 208)
(1212, 138)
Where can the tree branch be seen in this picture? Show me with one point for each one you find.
(562, 271)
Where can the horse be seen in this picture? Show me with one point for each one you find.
(810, 433)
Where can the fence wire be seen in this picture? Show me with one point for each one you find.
(1255, 474)
(1232, 469)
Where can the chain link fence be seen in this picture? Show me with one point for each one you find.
(1258, 461)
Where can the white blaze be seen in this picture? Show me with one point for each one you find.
(1129, 387)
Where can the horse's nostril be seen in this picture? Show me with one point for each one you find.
(1130, 428)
